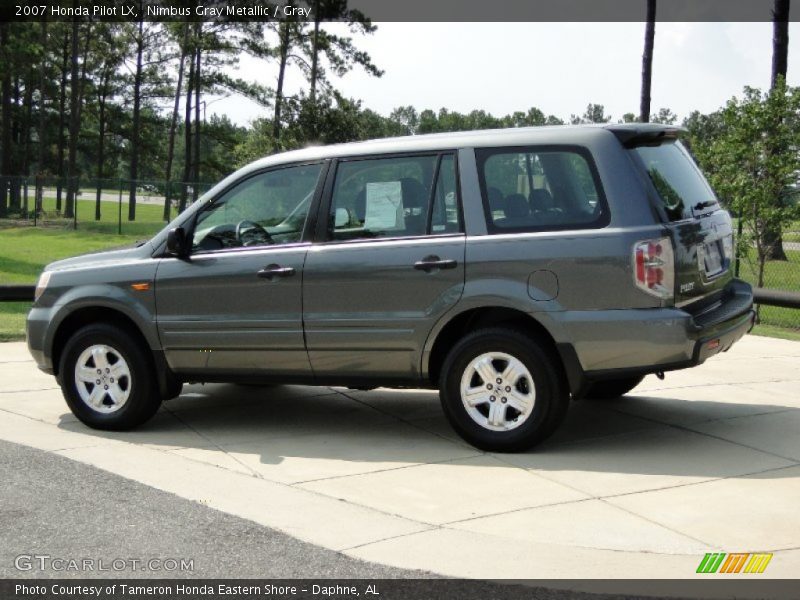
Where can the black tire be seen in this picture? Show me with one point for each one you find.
(174, 389)
(551, 396)
(613, 388)
(143, 398)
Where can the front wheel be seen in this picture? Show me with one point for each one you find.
(107, 378)
(502, 391)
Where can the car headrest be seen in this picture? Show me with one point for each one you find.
(517, 206)
(541, 199)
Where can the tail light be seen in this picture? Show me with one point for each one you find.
(654, 267)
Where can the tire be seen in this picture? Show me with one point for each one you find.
(613, 388)
(536, 392)
(130, 393)
(174, 389)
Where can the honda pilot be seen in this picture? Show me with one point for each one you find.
(514, 270)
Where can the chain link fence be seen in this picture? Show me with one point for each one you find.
(96, 205)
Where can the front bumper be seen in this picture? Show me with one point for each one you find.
(36, 326)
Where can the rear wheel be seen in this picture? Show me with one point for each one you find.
(502, 391)
(613, 388)
(107, 378)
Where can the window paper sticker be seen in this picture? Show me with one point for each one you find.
(384, 206)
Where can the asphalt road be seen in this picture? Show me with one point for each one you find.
(52, 506)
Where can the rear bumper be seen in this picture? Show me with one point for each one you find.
(718, 329)
(627, 343)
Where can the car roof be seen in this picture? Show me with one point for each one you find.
(553, 134)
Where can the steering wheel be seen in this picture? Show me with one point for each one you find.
(249, 233)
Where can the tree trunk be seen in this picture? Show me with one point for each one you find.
(173, 125)
(102, 97)
(314, 69)
(773, 238)
(27, 104)
(196, 180)
(14, 203)
(5, 123)
(187, 136)
(780, 39)
(74, 123)
(315, 54)
(42, 118)
(284, 56)
(62, 106)
(647, 61)
(136, 124)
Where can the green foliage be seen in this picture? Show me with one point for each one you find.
(595, 113)
(751, 152)
(665, 116)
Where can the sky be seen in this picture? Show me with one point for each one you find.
(557, 67)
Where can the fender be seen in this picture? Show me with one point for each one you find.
(101, 295)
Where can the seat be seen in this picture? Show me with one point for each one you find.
(541, 199)
(415, 203)
(496, 200)
(517, 207)
(544, 209)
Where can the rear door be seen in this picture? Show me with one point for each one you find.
(701, 231)
(389, 265)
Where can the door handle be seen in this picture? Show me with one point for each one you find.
(432, 263)
(273, 271)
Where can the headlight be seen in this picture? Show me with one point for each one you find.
(41, 285)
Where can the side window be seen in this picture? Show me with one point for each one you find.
(390, 197)
(265, 209)
(530, 189)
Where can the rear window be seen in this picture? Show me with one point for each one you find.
(681, 187)
(540, 189)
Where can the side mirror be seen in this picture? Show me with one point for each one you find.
(178, 242)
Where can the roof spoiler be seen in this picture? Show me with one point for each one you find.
(646, 135)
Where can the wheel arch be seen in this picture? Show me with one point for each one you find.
(440, 342)
(94, 314)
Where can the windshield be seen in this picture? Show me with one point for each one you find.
(679, 183)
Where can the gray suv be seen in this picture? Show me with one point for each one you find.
(512, 270)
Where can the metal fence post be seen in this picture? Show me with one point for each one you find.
(25, 197)
(119, 211)
(75, 182)
(738, 244)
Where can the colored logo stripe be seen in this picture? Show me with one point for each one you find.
(711, 562)
(734, 563)
(758, 563)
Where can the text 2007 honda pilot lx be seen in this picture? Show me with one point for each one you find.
(511, 269)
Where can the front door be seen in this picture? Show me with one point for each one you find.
(391, 265)
(235, 305)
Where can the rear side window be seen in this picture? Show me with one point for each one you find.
(681, 187)
(540, 189)
(394, 197)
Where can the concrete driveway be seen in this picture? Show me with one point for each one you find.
(643, 486)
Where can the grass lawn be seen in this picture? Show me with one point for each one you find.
(782, 275)
(24, 251)
(783, 333)
(12, 320)
(148, 217)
